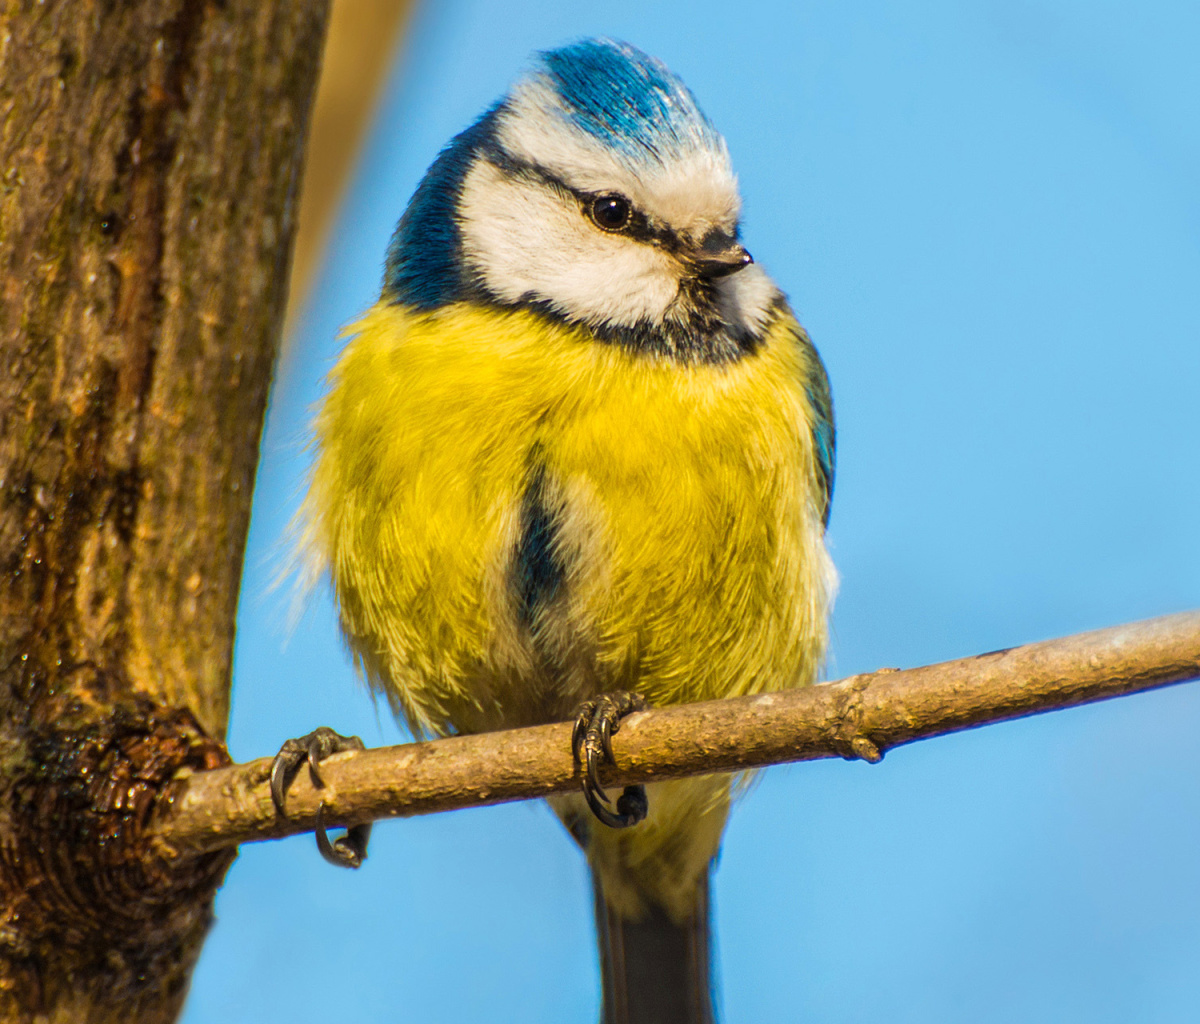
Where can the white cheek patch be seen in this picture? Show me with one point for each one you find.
(747, 297)
(528, 241)
(692, 191)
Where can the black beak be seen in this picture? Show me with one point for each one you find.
(720, 255)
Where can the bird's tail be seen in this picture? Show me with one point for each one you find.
(651, 886)
(655, 970)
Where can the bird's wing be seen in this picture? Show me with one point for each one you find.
(824, 435)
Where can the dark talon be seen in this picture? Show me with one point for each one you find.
(632, 803)
(591, 744)
(350, 850)
(583, 715)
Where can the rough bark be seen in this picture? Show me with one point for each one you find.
(151, 154)
(855, 718)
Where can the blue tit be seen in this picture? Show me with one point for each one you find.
(581, 452)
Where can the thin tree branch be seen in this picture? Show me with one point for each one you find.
(859, 717)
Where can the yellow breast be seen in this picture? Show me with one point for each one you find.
(679, 503)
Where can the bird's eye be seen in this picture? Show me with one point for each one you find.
(611, 212)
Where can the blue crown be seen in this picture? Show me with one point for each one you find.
(627, 100)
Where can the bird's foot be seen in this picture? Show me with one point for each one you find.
(350, 850)
(591, 742)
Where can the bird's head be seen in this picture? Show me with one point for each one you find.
(598, 193)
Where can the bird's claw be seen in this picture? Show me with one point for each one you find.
(596, 721)
(350, 850)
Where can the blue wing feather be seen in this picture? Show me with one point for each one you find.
(824, 433)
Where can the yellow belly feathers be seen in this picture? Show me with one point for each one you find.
(684, 498)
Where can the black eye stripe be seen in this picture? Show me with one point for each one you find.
(638, 227)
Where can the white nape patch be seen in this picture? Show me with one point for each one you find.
(526, 239)
(746, 298)
(693, 191)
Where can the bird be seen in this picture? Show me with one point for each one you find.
(575, 462)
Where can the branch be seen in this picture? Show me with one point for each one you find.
(859, 717)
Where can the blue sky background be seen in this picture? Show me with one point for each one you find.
(987, 215)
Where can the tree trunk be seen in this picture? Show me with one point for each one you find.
(151, 157)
